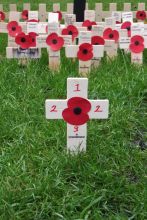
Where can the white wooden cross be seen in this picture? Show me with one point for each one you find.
(77, 134)
(84, 66)
(72, 50)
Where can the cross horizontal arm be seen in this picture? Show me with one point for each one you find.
(54, 108)
(99, 109)
(72, 50)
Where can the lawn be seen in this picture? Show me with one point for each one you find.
(38, 180)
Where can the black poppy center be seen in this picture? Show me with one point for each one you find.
(141, 15)
(13, 28)
(85, 51)
(77, 110)
(136, 43)
(23, 40)
(89, 28)
(96, 43)
(128, 28)
(54, 41)
(70, 33)
(111, 35)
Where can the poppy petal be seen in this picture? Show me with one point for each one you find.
(19, 37)
(82, 103)
(73, 29)
(65, 31)
(136, 49)
(97, 40)
(33, 20)
(55, 42)
(141, 15)
(50, 38)
(59, 15)
(127, 25)
(93, 23)
(84, 57)
(59, 45)
(33, 36)
(86, 46)
(71, 118)
(77, 111)
(138, 38)
(86, 23)
(116, 35)
(2, 16)
(12, 24)
(23, 40)
(24, 15)
(107, 32)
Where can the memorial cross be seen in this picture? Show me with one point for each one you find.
(76, 110)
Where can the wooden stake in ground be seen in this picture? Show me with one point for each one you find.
(76, 111)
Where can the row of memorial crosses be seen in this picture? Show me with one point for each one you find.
(87, 41)
(78, 8)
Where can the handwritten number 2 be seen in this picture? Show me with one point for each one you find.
(54, 108)
(98, 109)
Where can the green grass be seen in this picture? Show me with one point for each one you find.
(38, 179)
(91, 3)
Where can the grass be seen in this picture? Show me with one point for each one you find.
(91, 3)
(38, 179)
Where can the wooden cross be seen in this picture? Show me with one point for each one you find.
(54, 56)
(13, 51)
(84, 66)
(71, 51)
(77, 134)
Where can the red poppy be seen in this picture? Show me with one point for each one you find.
(137, 44)
(24, 15)
(33, 36)
(127, 25)
(77, 111)
(71, 30)
(110, 34)
(55, 42)
(23, 40)
(97, 40)
(85, 52)
(88, 24)
(59, 15)
(33, 20)
(141, 15)
(13, 28)
(2, 16)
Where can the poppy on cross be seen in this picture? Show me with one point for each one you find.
(76, 111)
(85, 52)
